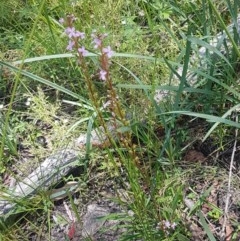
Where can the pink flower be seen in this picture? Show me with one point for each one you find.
(73, 33)
(70, 45)
(97, 42)
(82, 51)
(70, 31)
(108, 51)
(102, 74)
(167, 224)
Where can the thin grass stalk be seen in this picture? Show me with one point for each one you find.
(16, 83)
(223, 25)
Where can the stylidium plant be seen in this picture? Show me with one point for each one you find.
(166, 226)
(111, 102)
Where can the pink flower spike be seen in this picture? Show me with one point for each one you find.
(82, 51)
(70, 45)
(108, 51)
(102, 74)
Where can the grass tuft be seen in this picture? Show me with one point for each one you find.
(149, 90)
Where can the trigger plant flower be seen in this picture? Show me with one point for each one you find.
(80, 35)
(108, 51)
(82, 51)
(70, 31)
(102, 75)
(73, 33)
(70, 45)
(166, 226)
(98, 39)
(97, 42)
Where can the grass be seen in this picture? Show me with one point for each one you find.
(49, 96)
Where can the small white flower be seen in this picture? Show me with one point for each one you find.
(130, 213)
(61, 20)
(102, 74)
(173, 225)
(65, 121)
(167, 224)
(106, 104)
(28, 101)
(141, 13)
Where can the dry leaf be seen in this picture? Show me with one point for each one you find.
(229, 231)
(194, 156)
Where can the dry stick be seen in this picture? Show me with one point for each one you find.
(229, 186)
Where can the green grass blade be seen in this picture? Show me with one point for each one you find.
(217, 123)
(217, 81)
(165, 87)
(88, 107)
(209, 118)
(206, 227)
(44, 81)
(224, 27)
(140, 84)
(89, 54)
(209, 47)
(183, 78)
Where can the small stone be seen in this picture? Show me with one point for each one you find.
(92, 221)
